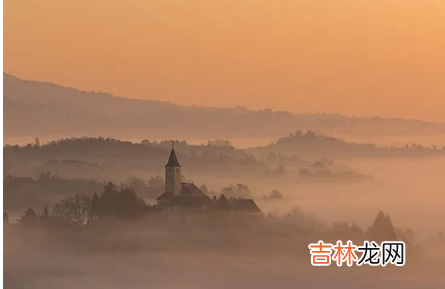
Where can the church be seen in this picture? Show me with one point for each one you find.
(186, 195)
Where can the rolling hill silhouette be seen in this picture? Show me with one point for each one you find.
(33, 108)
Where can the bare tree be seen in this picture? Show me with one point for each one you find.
(75, 208)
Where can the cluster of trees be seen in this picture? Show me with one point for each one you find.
(382, 228)
(123, 203)
(23, 192)
(311, 144)
(149, 190)
(237, 191)
(74, 209)
(79, 209)
(119, 202)
(220, 143)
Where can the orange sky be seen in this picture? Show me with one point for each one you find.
(354, 57)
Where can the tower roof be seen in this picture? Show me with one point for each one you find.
(172, 160)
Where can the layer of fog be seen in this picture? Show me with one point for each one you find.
(158, 255)
(411, 191)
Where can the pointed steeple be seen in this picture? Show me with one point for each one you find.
(172, 160)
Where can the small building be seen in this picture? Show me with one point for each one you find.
(178, 193)
(189, 196)
(186, 195)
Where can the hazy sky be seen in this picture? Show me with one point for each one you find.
(354, 57)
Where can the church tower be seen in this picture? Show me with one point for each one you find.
(173, 176)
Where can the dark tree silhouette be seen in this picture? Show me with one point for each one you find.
(30, 218)
(382, 229)
(120, 202)
(75, 209)
(129, 204)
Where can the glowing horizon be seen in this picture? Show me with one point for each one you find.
(361, 58)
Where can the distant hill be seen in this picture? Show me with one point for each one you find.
(33, 108)
(112, 159)
(310, 144)
(106, 158)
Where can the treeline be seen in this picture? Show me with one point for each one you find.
(126, 157)
(107, 157)
(86, 148)
(113, 201)
(109, 213)
(23, 192)
(311, 144)
(81, 209)
(49, 188)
